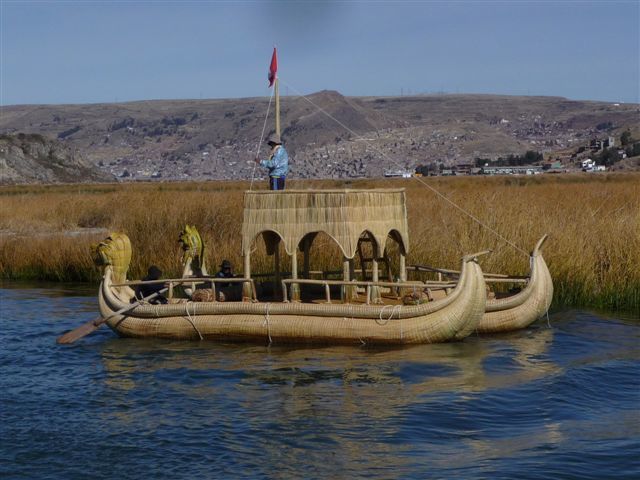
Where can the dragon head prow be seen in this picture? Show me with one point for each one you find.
(114, 251)
(192, 248)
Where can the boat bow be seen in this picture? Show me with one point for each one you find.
(522, 309)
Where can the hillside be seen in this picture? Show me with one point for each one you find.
(34, 159)
(216, 139)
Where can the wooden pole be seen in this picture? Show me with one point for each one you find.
(345, 276)
(295, 287)
(402, 274)
(403, 267)
(374, 268)
(276, 267)
(277, 92)
(375, 291)
(306, 246)
(353, 293)
(246, 287)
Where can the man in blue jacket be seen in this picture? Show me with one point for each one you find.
(277, 164)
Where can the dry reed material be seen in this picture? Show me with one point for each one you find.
(344, 215)
(593, 251)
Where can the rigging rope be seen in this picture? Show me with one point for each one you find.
(264, 126)
(397, 164)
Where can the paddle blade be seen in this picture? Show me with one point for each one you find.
(89, 327)
(82, 331)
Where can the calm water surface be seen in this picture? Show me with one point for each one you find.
(559, 402)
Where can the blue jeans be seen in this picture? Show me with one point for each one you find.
(276, 183)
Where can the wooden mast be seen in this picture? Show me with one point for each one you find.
(277, 93)
(277, 251)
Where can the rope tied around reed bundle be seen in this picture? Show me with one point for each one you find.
(419, 179)
(264, 126)
(395, 310)
(362, 342)
(266, 322)
(190, 320)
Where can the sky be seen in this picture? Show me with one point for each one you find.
(92, 52)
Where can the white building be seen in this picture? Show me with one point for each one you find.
(398, 173)
(588, 164)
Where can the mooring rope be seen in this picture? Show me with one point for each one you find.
(190, 320)
(264, 126)
(397, 164)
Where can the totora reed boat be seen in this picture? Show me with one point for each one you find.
(295, 308)
(367, 312)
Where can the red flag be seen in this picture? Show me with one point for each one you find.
(273, 68)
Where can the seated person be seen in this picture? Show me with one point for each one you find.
(142, 291)
(226, 271)
(227, 291)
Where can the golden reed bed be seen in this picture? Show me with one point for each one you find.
(593, 221)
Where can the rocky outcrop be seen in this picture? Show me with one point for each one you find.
(32, 158)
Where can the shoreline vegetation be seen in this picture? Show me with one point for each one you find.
(593, 220)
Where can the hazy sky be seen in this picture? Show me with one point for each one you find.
(79, 51)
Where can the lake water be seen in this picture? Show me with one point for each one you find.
(546, 402)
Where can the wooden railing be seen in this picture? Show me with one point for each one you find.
(171, 282)
(488, 277)
(444, 285)
(369, 285)
(317, 273)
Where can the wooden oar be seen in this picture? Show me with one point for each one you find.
(91, 326)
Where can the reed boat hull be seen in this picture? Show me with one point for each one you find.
(521, 310)
(451, 318)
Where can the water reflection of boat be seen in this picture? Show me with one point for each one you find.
(354, 398)
(412, 370)
(293, 219)
(325, 391)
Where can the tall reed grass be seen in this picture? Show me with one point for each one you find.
(593, 221)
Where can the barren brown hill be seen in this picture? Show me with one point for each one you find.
(327, 134)
(32, 158)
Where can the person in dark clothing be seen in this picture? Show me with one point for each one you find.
(142, 291)
(226, 271)
(227, 291)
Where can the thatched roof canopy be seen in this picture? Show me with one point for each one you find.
(344, 215)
